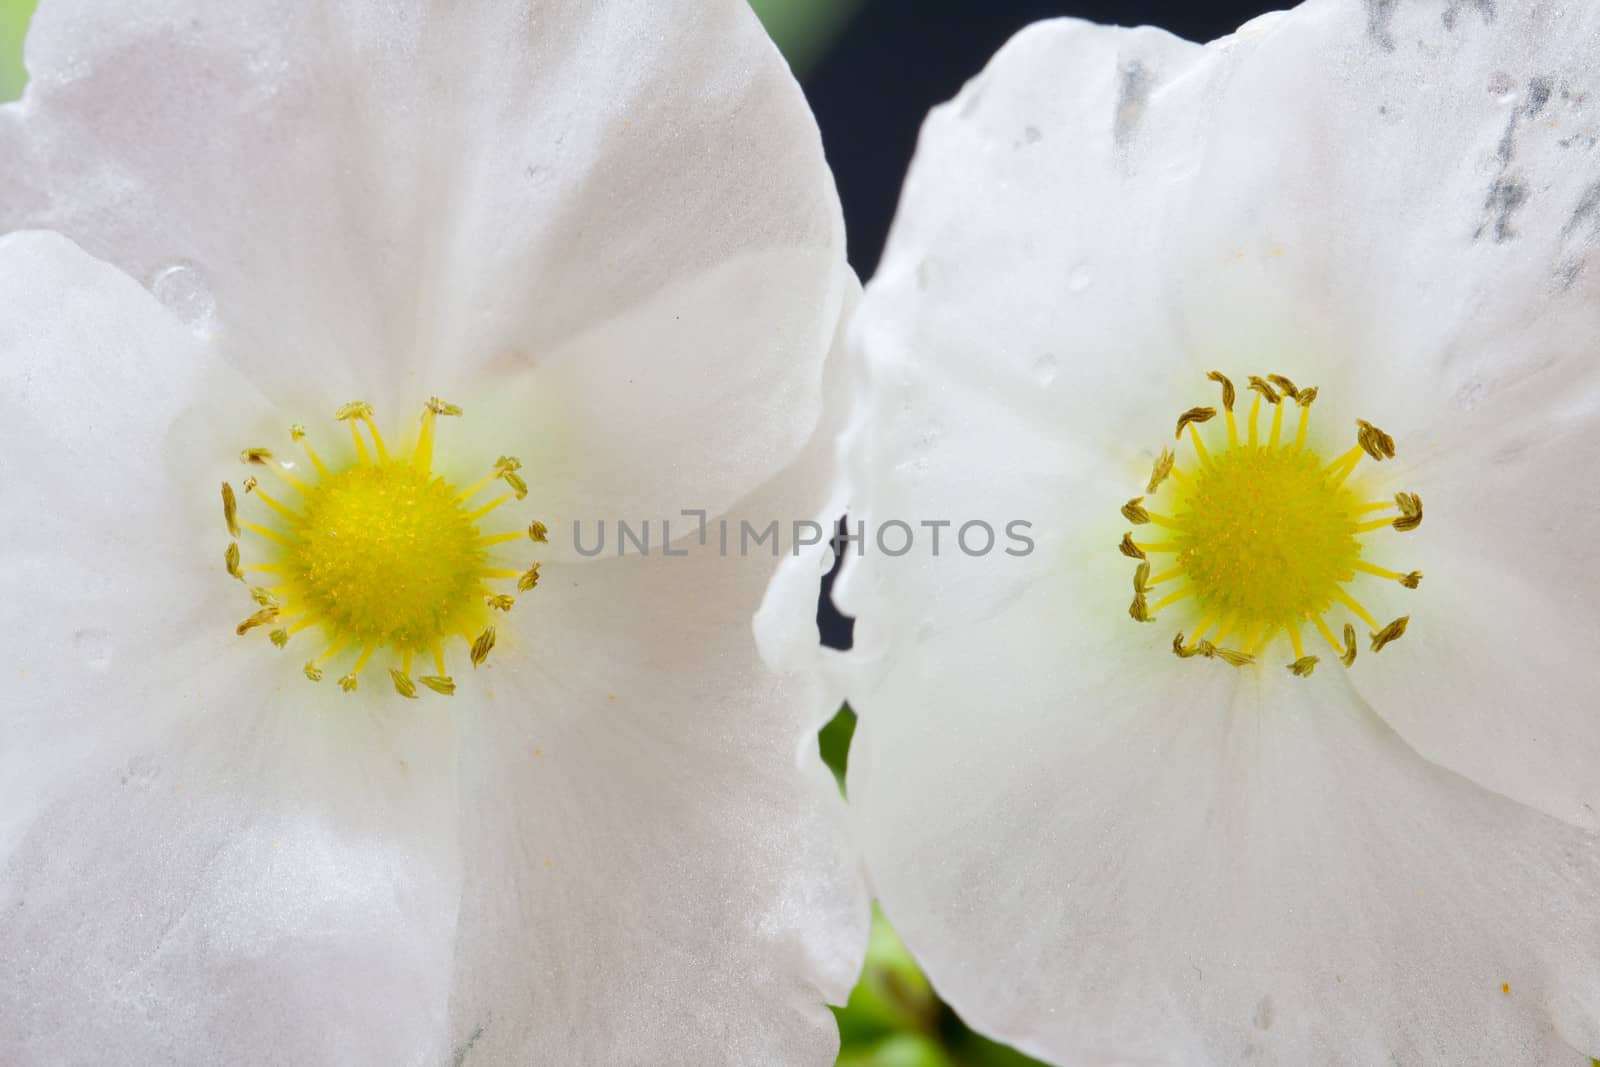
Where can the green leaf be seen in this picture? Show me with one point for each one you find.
(14, 18)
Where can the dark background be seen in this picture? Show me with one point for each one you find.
(897, 59)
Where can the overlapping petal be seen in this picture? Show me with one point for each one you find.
(363, 202)
(292, 878)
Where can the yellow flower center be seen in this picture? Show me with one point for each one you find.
(382, 555)
(1264, 536)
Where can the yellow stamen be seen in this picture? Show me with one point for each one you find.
(262, 531)
(381, 555)
(1173, 598)
(1265, 537)
(1355, 605)
(490, 506)
(298, 432)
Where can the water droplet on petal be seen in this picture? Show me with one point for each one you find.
(183, 291)
(1080, 279)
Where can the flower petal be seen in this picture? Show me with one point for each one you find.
(190, 868)
(256, 883)
(637, 742)
(1497, 675)
(106, 572)
(1395, 198)
(427, 193)
(1024, 259)
(1095, 863)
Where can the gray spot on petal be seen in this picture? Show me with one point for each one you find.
(1045, 369)
(1587, 211)
(1131, 99)
(1452, 11)
(95, 646)
(1506, 197)
(1538, 96)
(1380, 13)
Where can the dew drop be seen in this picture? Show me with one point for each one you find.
(183, 291)
(1080, 279)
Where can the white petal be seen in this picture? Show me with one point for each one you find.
(1387, 202)
(191, 868)
(1094, 861)
(112, 532)
(255, 884)
(1025, 253)
(657, 863)
(685, 402)
(1395, 199)
(412, 196)
(1496, 675)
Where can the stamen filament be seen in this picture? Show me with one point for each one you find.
(478, 486)
(1350, 458)
(311, 454)
(1164, 576)
(291, 515)
(377, 438)
(1268, 631)
(362, 455)
(422, 458)
(262, 531)
(1374, 524)
(1333, 642)
(1255, 416)
(1199, 446)
(473, 516)
(1300, 434)
(1294, 641)
(1363, 565)
(1277, 425)
(1355, 605)
(1172, 598)
(502, 539)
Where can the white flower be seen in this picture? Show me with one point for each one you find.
(1100, 849)
(606, 234)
